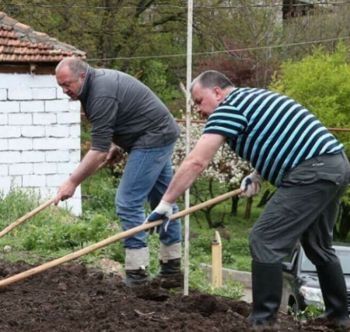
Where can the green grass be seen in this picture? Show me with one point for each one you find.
(54, 233)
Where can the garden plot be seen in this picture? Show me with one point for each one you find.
(73, 298)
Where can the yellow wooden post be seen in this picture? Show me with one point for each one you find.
(216, 251)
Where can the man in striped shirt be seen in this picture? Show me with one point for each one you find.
(289, 147)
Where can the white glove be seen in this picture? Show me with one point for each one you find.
(163, 211)
(251, 184)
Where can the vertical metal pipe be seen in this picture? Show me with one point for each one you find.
(188, 137)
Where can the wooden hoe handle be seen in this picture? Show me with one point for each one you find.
(114, 238)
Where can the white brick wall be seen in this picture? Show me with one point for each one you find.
(39, 136)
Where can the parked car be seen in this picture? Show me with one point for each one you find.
(300, 282)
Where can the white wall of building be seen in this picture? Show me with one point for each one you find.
(39, 136)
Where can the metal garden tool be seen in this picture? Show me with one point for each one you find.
(114, 238)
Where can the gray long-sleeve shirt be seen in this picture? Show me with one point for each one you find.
(124, 110)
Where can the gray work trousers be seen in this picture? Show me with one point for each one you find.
(304, 208)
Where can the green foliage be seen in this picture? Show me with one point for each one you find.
(99, 193)
(200, 253)
(155, 74)
(236, 254)
(14, 205)
(198, 280)
(310, 312)
(115, 34)
(346, 197)
(51, 230)
(234, 238)
(54, 236)
(54, 233)
(321, 83)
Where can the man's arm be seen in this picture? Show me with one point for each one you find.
(90, 163)
(197, 160)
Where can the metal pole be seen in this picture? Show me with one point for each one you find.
(188, 139)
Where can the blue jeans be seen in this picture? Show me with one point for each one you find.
(146, 177)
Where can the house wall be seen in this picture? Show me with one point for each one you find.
(39, 136)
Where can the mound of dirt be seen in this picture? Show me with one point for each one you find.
(74, 298)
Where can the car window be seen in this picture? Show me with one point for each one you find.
(306, 265)
(344, 257)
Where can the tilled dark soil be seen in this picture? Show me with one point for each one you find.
(74, 298)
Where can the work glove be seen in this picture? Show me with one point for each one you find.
(162, 212)
(251, 184)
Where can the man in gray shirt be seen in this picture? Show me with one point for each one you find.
(127, 116)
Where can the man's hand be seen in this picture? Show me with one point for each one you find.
(115, 154)
(251, 185)
(162, 212)
(65, 191)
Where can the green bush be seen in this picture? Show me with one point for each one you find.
(236, 254)
(321, 83)
(52, 229)
(15, 205)
(198, 280)
(99, 193)
(55, 236)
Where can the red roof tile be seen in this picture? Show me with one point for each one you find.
(19, 43)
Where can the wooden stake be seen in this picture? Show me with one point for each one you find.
(216, 270)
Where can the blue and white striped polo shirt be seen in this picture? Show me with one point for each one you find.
(272, 131)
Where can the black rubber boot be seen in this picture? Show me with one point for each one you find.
(134, 278)
(333, 289)
(267, 291)
(170, 275)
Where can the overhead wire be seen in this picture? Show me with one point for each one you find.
(226, 51)
(171, 5)
(143, 57)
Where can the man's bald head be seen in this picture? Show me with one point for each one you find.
(76, 65)
(70, 75)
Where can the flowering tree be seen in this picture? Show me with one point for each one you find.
(224, 173)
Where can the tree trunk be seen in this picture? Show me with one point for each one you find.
(234, 205)
(264, 198)
(248, 208)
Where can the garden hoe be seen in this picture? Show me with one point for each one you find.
(114, 238)
(34, 212)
